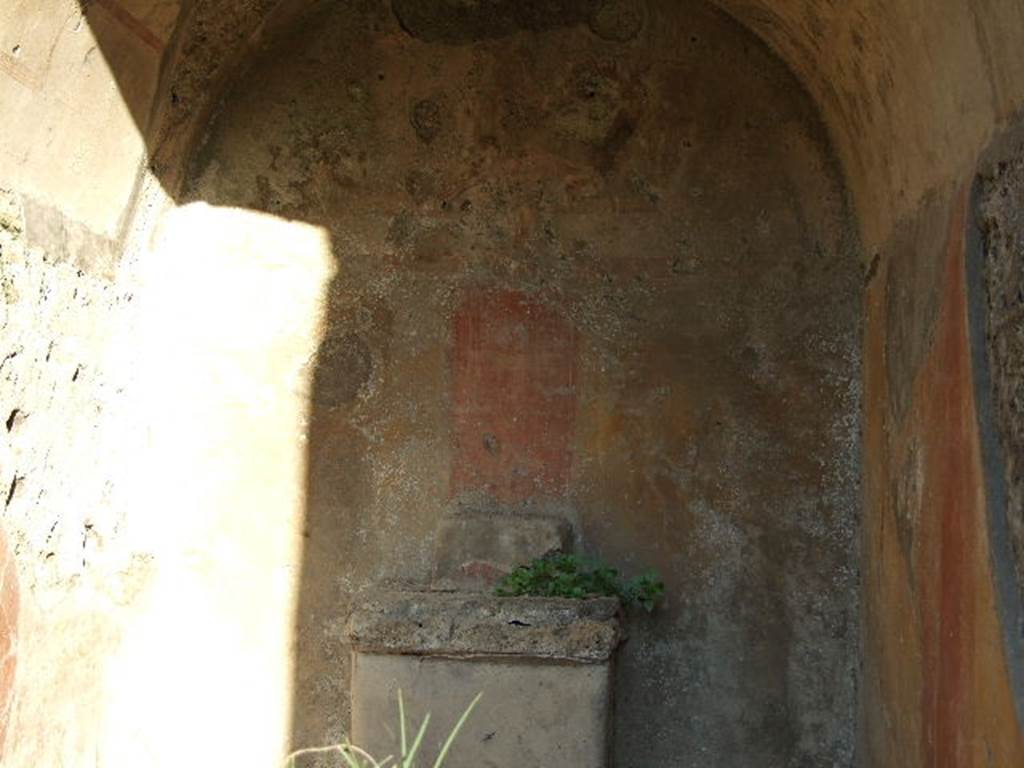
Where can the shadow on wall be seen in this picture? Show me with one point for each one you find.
(648, 177)
(126, 41)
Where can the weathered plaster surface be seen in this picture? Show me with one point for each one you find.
(935, 663)
(81, 82)
(693, 261)
(910, 92)
(909, 97)
(61, 394)
(75, 84)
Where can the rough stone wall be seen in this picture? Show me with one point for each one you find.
(1003, 220)
(129, 506)
(59, 467)
(665, 188)
(69, 169)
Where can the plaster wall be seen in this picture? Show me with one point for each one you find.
(910, 94)
(913, 97)
(70, 161)
(676, 275)
(937, 671)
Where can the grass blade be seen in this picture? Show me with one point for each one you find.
(401, 720)
(455, 732)
(407, 763)
(349, 758)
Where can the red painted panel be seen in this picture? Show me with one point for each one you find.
(133, 24)
(952, 483)
(514, 396)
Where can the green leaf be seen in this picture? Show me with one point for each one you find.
(575, 577)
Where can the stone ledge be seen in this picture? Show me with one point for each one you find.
(468, 625)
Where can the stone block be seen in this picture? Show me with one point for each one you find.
(529, 715)
(453, 624)
(542, 665)
(475, 549)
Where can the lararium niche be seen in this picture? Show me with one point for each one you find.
(594, 265)
(542, 665)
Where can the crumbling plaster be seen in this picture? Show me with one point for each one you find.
(615, 185)
(910, 95)
(902, 115)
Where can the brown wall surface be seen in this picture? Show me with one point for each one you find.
(610, 152)
(602, 274)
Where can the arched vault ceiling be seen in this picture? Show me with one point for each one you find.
(910, 91)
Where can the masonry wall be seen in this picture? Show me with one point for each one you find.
(909, 97)
(590, 270)
(70, 163)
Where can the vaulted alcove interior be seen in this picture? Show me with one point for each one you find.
(634, 226)
(286, 282)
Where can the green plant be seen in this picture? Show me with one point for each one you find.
(577, 577)
(354, 757)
